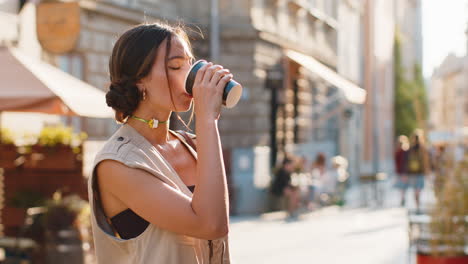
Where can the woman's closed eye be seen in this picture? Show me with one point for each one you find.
(177, 62)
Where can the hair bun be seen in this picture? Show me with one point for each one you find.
(124, 98)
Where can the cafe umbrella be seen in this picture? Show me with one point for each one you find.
(30, 85)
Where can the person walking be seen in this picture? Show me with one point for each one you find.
(339, 176)
(155, 198)
(282, 186)
(319, 179)
(401, 167)
(417, 166)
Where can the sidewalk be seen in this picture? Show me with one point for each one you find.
(391, 196)
(351, 234)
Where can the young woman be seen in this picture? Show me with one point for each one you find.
(282, 186)
(418, 166)
(401, 167)
(154, 198)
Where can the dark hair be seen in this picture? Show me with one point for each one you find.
(320, 159)
(132, 58)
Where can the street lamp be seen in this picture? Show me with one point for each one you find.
(274, 82)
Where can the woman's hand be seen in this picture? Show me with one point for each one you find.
(208, 90)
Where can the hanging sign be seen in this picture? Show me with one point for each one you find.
(58, 26)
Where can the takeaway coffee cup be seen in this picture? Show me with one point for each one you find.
(232, 90)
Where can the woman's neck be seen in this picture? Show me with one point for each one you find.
(157, 136)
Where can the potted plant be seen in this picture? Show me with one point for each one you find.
(8, 149)
(62, 223)
(14, 213)
(57, 148)
(446, 239)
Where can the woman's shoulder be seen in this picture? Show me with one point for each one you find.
(122, 142)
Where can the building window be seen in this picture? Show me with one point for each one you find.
(311, 26)
(293, 18)
(271, 8)
(331, 38)
(317, 4)
(71, 63)
(271, 12)
(331, 9)
(312, 3)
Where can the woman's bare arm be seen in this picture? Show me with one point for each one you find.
(154, 200)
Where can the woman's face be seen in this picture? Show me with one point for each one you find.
(158, 86)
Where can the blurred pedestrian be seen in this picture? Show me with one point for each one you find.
(282, 186)
(318, 174)
(302, 179)
(338, 176)
(417, 166)
(401, 167)
(153, 199)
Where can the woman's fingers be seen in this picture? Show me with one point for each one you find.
(210, 72)
(208, 89)
(201, 73)
(223, 81)
(217, 76)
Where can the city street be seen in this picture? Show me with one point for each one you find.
(330, 235)
(312, 121)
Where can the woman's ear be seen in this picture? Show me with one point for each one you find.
(142, 88)
(141, 85)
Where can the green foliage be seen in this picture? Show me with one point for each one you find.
(52, 136)
(26, 199)
(410, 104)
(6, 136)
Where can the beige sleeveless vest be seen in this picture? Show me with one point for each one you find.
(154, 245)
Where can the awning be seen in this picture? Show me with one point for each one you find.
(29, 85)
(352, 92)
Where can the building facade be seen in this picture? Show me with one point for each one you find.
(306, 109)
(379, 26)
(408, 16)
(448, 120)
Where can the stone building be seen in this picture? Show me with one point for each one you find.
(448, 120)
(303, 111)
(379, 25)
(350, 65)
(408, 16)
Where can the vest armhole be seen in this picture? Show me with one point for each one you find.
(102, 221)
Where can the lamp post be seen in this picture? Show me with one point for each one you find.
(274, 82)
(214, 38)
